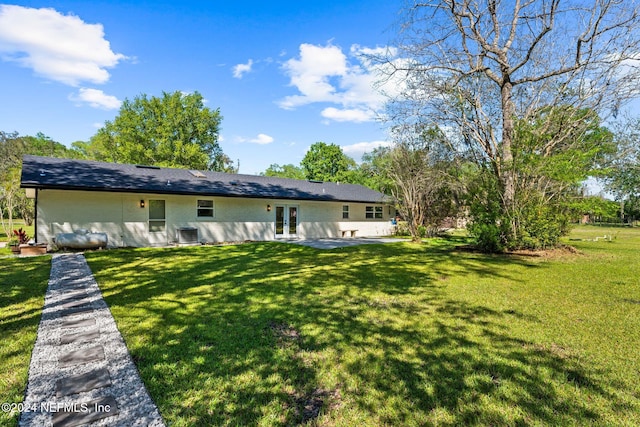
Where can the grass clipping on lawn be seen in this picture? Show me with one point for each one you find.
(396, 334)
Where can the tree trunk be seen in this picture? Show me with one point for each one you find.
(506, 169)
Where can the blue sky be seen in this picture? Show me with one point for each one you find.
(284, 74)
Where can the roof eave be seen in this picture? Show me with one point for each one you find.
(192, 193)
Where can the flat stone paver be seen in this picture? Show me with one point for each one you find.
(80, 337)
(84, 355)
(76, 303)
(76, 310)
(83, 382)
(86, 412)
(73, 296)
(77, 323)
(81, 371)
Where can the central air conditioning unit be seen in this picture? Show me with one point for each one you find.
(188, 236)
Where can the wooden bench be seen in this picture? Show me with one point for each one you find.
(352, 232)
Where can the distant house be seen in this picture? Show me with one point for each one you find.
(141, 206)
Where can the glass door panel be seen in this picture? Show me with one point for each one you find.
(279, 221)
(293, 220)
(157, 219)
(157, 222)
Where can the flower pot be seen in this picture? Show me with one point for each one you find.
(15, 249)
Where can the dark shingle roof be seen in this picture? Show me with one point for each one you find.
(68, 174)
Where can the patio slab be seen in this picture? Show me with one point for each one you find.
(333, 243)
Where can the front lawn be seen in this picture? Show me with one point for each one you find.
(396, 334)
(23, 283)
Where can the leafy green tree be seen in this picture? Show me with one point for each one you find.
(623, 178)
(373, 170)
(421, 173)
(327, 162)
(285, 171)
(174, 130)
(12, 147)
(599, 207)
(42, 145)
(548, 176)
(13, 199)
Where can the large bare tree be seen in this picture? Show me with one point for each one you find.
(476, 67)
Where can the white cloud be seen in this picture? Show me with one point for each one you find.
(357, 150)
(261, 139)
(311, 73)
(240, 70)
(348, 115)
(58, 47)
(326, 74)
(96, 99)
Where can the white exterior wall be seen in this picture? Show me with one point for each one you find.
(235, 219)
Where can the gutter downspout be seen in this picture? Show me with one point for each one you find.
(35, 218)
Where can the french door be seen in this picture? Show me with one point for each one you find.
(286, 221)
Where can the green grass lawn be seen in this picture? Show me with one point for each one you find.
(17, 223)
(23, 282)
(6, 251)
(397, 334)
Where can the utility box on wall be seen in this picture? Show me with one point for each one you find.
(188, 236)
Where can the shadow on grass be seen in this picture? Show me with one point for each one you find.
(376, 339)
(23, 283)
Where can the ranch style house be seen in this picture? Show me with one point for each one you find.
(139, 206)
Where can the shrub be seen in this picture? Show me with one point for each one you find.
(21, 235)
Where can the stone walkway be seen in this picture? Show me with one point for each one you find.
(81, 372)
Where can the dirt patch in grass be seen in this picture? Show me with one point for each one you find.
(309, 405)
(284, 333)
(307, 401)
(554, 349)
(563, 251)
(555, 253)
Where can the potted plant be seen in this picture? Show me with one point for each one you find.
(20, 237)
(14, 244)
(23, 244)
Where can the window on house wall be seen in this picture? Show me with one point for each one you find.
(345, 211)
(373, 212)
(205, 208)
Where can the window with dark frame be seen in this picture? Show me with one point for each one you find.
(205, 208)
(345, 211)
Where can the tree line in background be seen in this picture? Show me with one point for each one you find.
(423, 172)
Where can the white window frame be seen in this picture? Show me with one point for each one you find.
(373, 212)
(212, 208)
